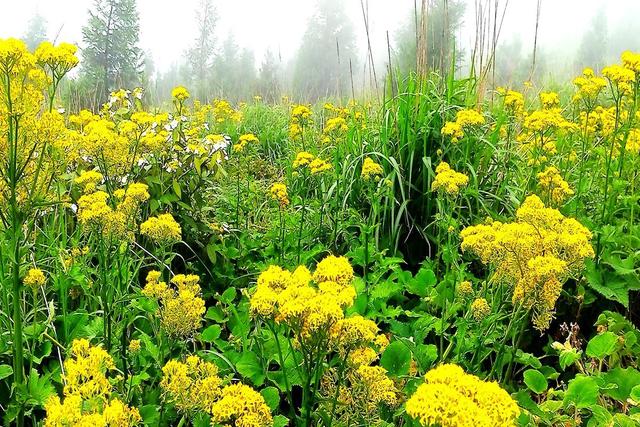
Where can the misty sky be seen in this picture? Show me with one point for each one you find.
(167, 27)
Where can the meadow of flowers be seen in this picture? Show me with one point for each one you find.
(430, 258)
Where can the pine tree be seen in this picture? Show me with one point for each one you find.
(111, 56)
(36, 32)
(200, 55)
(269, 80)
(322, 63)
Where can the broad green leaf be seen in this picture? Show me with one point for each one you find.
(211, 333)
(249, 366)
(535, 381)
(396, 359)
(602, 345)
(271, 397)
(624, 380)
(582, 392)
(5, 371)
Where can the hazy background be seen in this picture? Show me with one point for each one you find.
(267, 43)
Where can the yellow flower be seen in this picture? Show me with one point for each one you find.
(191, 385)
(162, 229)
(549, 99)
(623, 78)
(241, 405)
(279, 193)
(451, 398)
(334, 269)
(534, 254)
(464, 289)
(631, 61)
(88, 180)
(303, 158)
(35, 278)
(317, 166)
(480, 309)
(134, 346)
(448, 181)
(180, 93)
(371, 170)
(300, 114)
(469, 118)
(553, 184)
(453, 130)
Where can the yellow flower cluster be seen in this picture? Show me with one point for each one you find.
(480, 309)
(469, 118)
(240, 405)
(554, 185)
(224, 112)
(245, 140)
(34, 278)
(622, 78)
(452, 398)
(315, 164)
(95, 212)
(633, 141)
(589, 87)
(88, 180)
(448, 181)
(513, 101)
(549, 100)
(300, 114)
(180, 93)
(181, 309)
(464, 118)
(371, 171)
(453, 130)
(87, 392)
(279, 193)
(162, 229)
(335, 129)
(547, 119)
(59, 59)
(464, 289)
(312, 311)
(631, 61)
(364, 388)
(192, 385)
(515, 250)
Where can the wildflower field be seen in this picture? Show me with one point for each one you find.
(429, 257)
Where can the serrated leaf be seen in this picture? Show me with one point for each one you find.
(582, 392)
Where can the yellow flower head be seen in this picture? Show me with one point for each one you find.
(448, 181)
(371, 171)
(162, 229)
(279, 193)
(35, 278)
(180, 93)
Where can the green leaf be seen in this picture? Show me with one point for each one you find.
(635, 393)
(280, 421)
(5, 371)
(271, 397)
(228, 295)
(568, 358)
(249, 366)
(426, 354)
(396, 359)
(624, 380)
(176, 189)
(602, 345)
(424, 280)
(211, 333)
(216, 314)
(535, 381)
(150, 414)
(581, 393)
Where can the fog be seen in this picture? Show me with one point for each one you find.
(570, 33)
